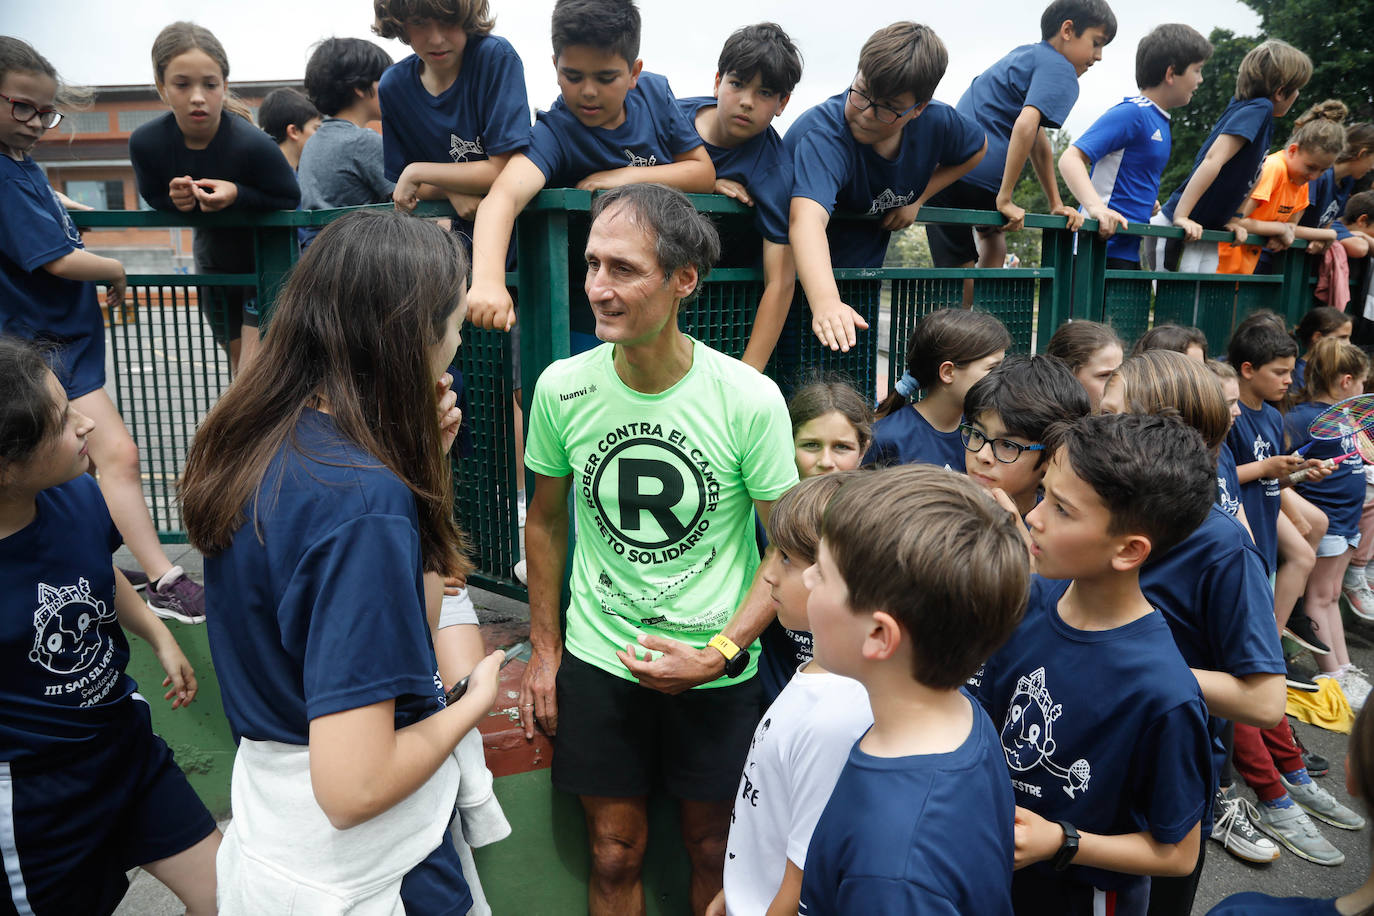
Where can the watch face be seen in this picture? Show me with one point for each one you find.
(735, 666)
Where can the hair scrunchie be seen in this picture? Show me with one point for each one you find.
(907, 385)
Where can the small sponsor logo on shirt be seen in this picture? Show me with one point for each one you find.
(569, 395)
(1157, 135)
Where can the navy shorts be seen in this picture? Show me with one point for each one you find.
(436, 887)
(617, 739)
(953, 246)
(78, 362)
(71, 827)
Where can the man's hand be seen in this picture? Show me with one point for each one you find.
(678, 667)
(1192, 231)
(1037, 839)
(1108, 220)
(1016, 216)
(491, 308)
(834, 323)
(1072, 217)
(215, 193)
(898, 219)
(182, 192)
(739, 192)
(538, 698)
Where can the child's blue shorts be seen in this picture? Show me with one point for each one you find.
(71, 827)
(436, 887)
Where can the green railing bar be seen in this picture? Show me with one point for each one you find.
(193, 279)
(1214, 279)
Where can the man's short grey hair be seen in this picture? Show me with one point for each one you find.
(682, 235)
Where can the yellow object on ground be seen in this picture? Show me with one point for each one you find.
(1327, 708)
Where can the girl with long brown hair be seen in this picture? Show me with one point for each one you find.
(319, 490)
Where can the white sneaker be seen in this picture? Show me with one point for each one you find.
(520, 573)
(1355, 685)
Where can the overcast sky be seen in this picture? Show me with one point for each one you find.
(108, 42)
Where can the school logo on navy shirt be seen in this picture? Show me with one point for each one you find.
(1028, 737)
(888, 200)
(460, 149)
(68, 641)
(637, 161)
(1229, 504)
(1263, 450)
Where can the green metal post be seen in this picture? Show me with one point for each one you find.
(1089, 275)
(1056, 291)
(276, 251)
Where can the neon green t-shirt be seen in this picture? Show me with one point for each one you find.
(663, 488)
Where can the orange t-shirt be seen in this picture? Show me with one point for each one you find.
(1276, 200)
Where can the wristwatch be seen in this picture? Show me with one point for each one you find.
(1068, 849)
(736, 659)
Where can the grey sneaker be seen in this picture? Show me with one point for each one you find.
(180, 599)
(1234, 829)
(1293, 828)
(1355, 685)
(1318, 802)
(1360, 597)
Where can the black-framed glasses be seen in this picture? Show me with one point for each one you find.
(884, 113)
(1004, 450)
(23, 112)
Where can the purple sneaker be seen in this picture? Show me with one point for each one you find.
(180, 599)
(136, 578)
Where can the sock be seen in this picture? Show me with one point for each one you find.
(170, 576)
(1283, 801)
(1298, 777)
(1355, 577)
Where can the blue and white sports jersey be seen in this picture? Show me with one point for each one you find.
(759, 164)
(1326, 200)
(296, 602)
(1255, 436)
(906, 437)
(843, 175)
(1035, 76)
(62, 683)
(654, 133)
(1253, 122)
(929, 834)
(1340, 496)
(1128, 148)
(1105, 729)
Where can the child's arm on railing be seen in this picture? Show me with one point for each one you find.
(779, 284)
(489, 302)
(1223, 149)
(833, 321)
(1073, 165)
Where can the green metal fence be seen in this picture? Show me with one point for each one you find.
(168, 372)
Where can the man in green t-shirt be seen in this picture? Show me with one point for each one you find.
(667, 448)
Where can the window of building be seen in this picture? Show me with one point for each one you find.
(129, 121)
(86, 122)
(103, 195)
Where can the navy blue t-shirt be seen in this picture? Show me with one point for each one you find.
(484, 113)
(1340, 496)
(1326, 200)
(1228, 484)
(655, 132)
(36, 230)
(1253, 122)
(841, 174)
(317, 606)
(760, 165)
(62, 683)
(1299, 372)
(1128, 148)
(1213, 590)
(1035, 76)
(1105, 729)
(906, 437)
(929, 834)
(1255, 436)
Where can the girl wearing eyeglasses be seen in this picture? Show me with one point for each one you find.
(47, 294)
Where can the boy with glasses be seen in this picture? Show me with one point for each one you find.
(1006, 413)
(881, 147)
